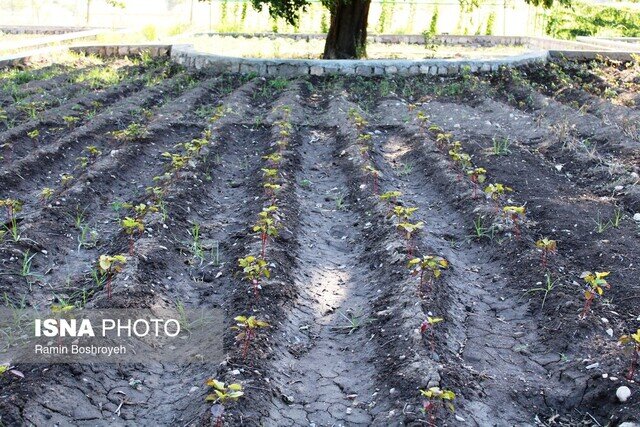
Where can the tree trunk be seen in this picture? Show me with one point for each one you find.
(347, 35)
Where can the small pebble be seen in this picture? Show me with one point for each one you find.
(623, 393)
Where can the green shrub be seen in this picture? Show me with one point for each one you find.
(490, 24)
(149, 32)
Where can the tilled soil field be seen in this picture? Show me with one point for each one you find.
(422, 251)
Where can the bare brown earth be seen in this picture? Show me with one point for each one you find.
(344, 346)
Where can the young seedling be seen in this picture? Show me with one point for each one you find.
(422, 118)
(109, 265)
(601, 224)
(133, 132)
(130, 227)
(93, 151)
(427, 325)
(178, 162)
(501, 146)
(431, 265)
(274, 158)
(496, 191)
(515, 214)
(219, 113)
(267, 226)
(357, 119)
(595, 284)
(375, 176)
(12, 207)
(249, 327)
(618, 216)
(364, 139)
(437, 397)
(549, 285)
(477, 176)
(196, 245)
(408, 229)
(633, 341)
(390, 197)
(222, 393)
(547, 247)
(270, 174)
(443, 139)
(403, 213)
(459, 157)
(254, 269)
(157, 195)
(65, 179)
(83, 162)
(70, 121)
(194, 147)
(34, 134)
(142, 210)
(271, 189)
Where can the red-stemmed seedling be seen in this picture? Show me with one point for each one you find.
(435, 399)
(547, 247)
(429, 268)
(248, 327)
(632, 340)
(108, 265)
(595, 284)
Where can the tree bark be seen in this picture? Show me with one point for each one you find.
(347, 35)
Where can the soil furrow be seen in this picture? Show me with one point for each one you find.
(38, 162)
(491, 321)
(552, 201)
(492, 122)
(556, 85)
(38, 82)
(168, 394)
(286, 174)
(593, 132)
(112, 179)
(50, 123)
(328, 364)
(564, 302)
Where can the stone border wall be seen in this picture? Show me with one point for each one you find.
(106, 51)
(190, 58)
(440, 39)
(111, 51)
(50, 40)
(588, 55)
(28, 29)
(630, 44)
(534, 43)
